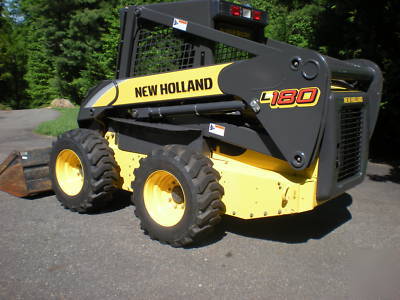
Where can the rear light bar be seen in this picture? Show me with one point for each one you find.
(248, 13)
(240, 13)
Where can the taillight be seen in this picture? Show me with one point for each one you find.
(257, 15)
(235, 10)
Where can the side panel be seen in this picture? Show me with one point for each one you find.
(258, 186)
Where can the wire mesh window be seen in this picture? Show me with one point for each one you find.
(224, 53)
(162, 49)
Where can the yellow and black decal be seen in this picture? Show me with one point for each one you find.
(353, 99)
(189, 83)
(177, 87)
(304, 97)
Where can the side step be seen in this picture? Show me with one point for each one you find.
(27, 173)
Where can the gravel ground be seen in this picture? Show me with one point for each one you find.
(348, 248)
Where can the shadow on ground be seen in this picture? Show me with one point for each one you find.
(394, 173)
(292, 229)
(121, 199)
(39, 195)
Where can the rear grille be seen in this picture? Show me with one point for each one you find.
(349, 152)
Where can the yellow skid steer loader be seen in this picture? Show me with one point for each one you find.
(208, 117)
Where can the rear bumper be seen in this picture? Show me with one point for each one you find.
(344, 150)
(349, 126)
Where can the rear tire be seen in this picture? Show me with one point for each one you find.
(177, 196)
(83, 170)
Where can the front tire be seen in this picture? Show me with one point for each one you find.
(177, 196)
(83, 170)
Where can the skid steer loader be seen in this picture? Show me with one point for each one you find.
(208, 117)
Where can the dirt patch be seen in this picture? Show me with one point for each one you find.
(61, 103)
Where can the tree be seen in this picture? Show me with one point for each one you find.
(12, 60)
(371, 30)
(63, 47)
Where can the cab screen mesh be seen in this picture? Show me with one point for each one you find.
(224, 53)
(162, 49)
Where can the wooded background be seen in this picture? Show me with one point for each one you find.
(59, 49)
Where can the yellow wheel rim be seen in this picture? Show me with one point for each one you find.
(164, 198)
(69, 172)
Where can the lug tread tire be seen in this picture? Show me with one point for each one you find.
(208, 193)
(101, 166)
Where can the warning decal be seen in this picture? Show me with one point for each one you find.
(216, 129)
(180, 24)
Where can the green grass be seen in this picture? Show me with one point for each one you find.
(4, 107)
(66, 121)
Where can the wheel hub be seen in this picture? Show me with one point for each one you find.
(177, 194)
(164, 198)
(69, 172)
